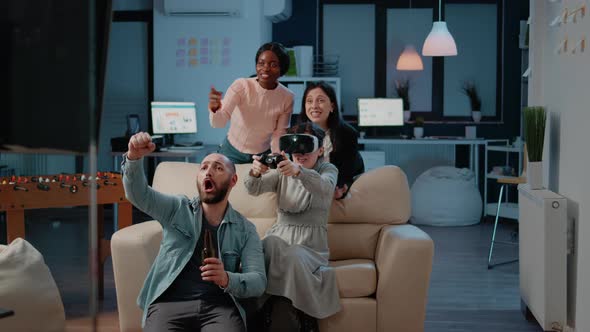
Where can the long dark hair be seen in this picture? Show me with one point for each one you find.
(279, 50)
(334, 120)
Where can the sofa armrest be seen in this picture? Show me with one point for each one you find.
(404, 261)
(133, 249)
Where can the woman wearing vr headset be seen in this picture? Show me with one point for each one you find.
(259, 107)
(301, 286)
(320, 106)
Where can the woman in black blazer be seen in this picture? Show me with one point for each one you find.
(320, 106)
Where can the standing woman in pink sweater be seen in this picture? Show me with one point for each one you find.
(259, 107)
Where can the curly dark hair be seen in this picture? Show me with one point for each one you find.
(279, 50)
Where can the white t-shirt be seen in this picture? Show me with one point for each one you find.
(327, 147)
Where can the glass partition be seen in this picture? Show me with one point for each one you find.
(474, 28)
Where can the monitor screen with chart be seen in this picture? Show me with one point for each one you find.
(174, 117)
(380, 112)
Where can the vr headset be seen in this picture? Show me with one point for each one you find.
(298, 143)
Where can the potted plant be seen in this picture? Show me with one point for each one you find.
(402, 89)
(534, 134)
(470, 90)
(419, 127)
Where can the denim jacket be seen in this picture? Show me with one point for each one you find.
(181, 218)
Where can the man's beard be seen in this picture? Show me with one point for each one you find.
(215, 197)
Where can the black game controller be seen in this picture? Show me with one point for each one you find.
(271, 159)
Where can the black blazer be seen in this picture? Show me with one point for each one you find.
(345, 154)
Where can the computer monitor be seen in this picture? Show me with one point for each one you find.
(174, 118)
(380, 112)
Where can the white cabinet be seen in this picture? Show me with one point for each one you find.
(373, 159)
(507, 209)
(298, 84)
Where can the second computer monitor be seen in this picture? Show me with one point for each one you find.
(380, 112)
(174, 118)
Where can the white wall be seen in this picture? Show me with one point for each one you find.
(559, 82)
(177, 81)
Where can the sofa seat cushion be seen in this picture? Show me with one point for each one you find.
(356, 277)
(379, 196)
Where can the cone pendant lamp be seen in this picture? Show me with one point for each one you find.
(439, 41)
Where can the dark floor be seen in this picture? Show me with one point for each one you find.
(463, 296)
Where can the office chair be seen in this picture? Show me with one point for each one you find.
(504, 183)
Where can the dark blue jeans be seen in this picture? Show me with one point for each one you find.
(234, 154)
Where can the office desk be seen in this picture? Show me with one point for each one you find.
(474, 144)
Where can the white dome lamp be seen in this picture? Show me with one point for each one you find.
(439, 41)
(409, 59)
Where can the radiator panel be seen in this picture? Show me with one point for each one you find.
(543, 255)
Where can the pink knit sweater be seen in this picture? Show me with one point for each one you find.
(258, 116)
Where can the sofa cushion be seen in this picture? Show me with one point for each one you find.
(262, 206)
(353, 241)
(356, 277)
(176, 178)
(357, 314)
(27, 288)
(380, 196)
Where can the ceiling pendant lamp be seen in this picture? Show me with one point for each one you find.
(409, 59)
(439, 41)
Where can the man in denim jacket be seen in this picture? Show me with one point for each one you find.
(183, 291)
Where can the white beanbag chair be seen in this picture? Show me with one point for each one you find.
(28, 289)
(446, 196)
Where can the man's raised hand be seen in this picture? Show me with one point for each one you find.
(140, 145)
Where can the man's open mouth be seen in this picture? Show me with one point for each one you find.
(209, 185)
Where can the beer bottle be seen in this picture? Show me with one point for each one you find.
(208, 246)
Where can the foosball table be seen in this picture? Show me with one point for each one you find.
(18, 194)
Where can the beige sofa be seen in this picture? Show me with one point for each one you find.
(382, 263)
